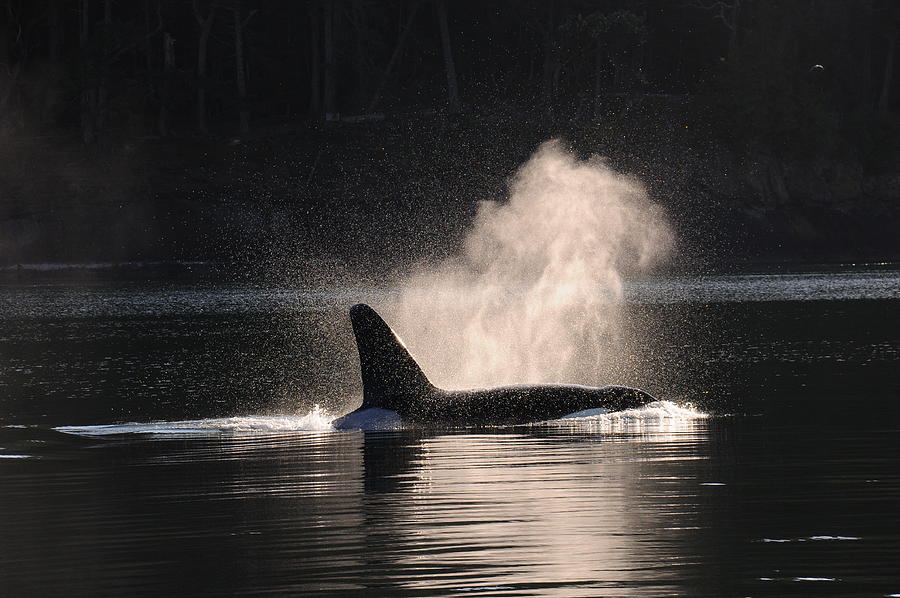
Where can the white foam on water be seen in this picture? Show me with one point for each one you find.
(798, 579)
(660, 415)
(812, 539)
(657, 416)
(315, 420)
(16, 456)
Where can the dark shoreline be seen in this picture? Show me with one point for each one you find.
(386, 194)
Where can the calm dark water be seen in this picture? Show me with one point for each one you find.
(790, 485)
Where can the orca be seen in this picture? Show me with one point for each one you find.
(394, 382)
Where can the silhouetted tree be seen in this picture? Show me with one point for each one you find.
(88, 90)
(395, 55)
(315, 61)
(551, 59)
(240, 72)
(168, 52)
(205, 23)
(567, 58)
(449, 66)
(331, 112)
(891, 18)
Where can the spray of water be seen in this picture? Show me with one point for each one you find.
(536, 293)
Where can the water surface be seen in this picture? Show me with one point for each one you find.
(162, 439)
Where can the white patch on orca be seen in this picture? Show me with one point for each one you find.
(373, 418)
(586, 413)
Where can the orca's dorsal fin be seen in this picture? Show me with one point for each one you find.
(390, 375)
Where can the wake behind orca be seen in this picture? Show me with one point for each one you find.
(393, 381)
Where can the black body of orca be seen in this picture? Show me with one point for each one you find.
(393, 380)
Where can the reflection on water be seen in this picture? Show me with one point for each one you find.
(706, 507)
(344, 511)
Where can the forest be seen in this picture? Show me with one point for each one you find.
(147, 129)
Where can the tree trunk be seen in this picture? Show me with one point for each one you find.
(598, 76)
(9, 75)
(202, 45)
(88, 98)
(359, 19)
(105, 53)
(315, 59)
(394, 57)
(866, 85)
(452, 89)
(330, 74)
(734, 32)
(168, 70)
(239, 73)
(54, 30)
(51, 91)
(549, 60)
(884, 99)
(148, 42)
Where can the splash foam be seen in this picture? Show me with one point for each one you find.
(315, 420)
(658, 416)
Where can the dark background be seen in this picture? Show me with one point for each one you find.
(279, 131)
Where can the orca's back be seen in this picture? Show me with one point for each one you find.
(390, 376)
